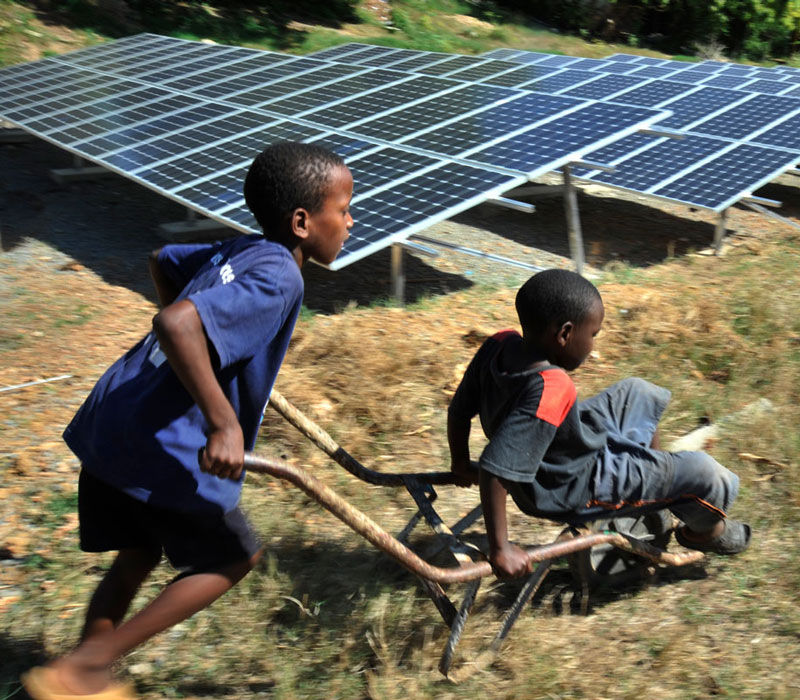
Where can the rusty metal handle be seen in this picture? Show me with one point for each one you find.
(371, 531)
(336, 452)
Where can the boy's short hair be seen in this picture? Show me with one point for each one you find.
(553, 297)
(287, 176)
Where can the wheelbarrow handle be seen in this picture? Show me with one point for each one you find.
(376, 535)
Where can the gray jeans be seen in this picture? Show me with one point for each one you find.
(693, 485)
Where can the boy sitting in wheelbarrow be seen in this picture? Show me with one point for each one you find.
(557, 456)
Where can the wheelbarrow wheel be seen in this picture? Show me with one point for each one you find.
(605, 565)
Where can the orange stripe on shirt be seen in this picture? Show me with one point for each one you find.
(558, 396)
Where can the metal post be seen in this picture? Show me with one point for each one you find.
(78, 162)
(573, 220)
(719, 230)
(398, 282)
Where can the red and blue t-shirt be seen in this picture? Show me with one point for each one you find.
(140, 430)
(537, 441)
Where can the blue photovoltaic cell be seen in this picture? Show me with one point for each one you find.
(483, 71)
(345, 146)
(562, 136)
(293, 83)
(670, 156)
(589, 64)
(785, 135)
(623, 57)
(451, 64)
(368, 52)
(432, 111)
(386, 59)
(767, 87)
(615, 67)
(521, 75)
(177, 108)
(765, 74)
(379, 101)
(226, 88)
(157, 62)
(651, 72)
(727, 81)
(223, 73)
(652, 93)
(385, 166)
(603, 87)
(334, 52)
(732, 70)
(697, 105)
(127, 154)
(128, 43)
(794, 92)
(204, 163)
(555, 61)
(413, 65)
(687, 76)
(216, 193)
(130, 64)
(492, 123)
(61, 94)
(324, 94)
(737, 122)
(530, 57)
(616, 149)
(106, 108)
(201, 64)
(559, 81)
(500, 53)
(705, 68)
(138, 135)
(433, 194)
(719, 182)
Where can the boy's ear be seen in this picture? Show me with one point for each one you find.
(564, 333)
(299, 223)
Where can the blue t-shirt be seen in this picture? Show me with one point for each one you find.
(140, 430)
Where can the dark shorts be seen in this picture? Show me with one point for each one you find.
(111, 520)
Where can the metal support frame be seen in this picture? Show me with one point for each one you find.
(524, 207)
(719, 230)
(476, 253)
(398, 278)
(573, 220)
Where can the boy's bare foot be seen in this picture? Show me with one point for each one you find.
(46, 683)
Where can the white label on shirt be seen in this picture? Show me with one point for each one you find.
(226, 273)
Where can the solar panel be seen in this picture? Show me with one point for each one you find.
(356, 108)
(559, 81)
(575, 133)
(457, 137)
(487, 126)
(743, 119)
(767, 87)
(717, 184)
(603, 86)
(652, 93)
(333, 92)
(426, 113)
(651, 166)
(698, 104)
(785, 134)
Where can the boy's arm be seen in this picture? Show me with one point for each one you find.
(458, 430)
(507, 558)
(183, 340)
(166, 290)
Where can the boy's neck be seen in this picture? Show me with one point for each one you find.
(523, 356)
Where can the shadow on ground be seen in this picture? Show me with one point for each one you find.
(109, 226)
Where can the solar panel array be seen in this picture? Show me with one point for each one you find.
(729, 111)
(741, 124)
(185, 119)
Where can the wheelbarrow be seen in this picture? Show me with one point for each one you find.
(599, 546)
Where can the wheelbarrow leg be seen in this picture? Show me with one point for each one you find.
(458, 626)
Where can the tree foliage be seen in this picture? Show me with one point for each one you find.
(751, 28)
